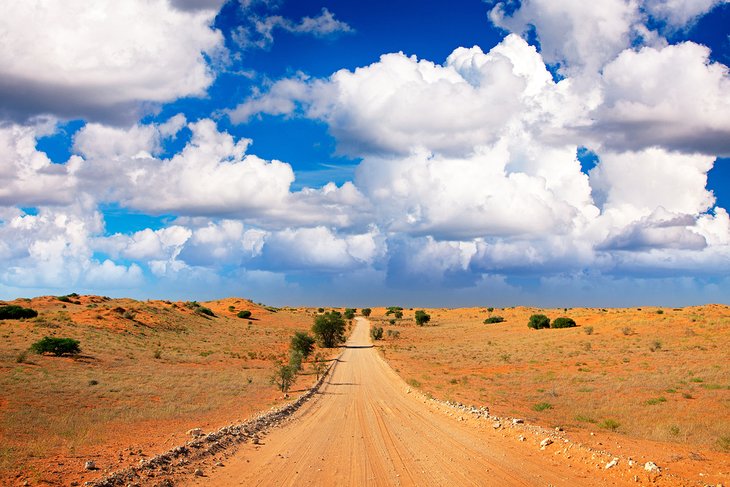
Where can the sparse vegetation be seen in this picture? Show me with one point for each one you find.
(245, 314)
(393, 334)
(329, 328)
(13, 312)
(588, 330)
(538, 321)
(422, 317)
(655, 400)
(366, 312)
(723, 443)
(494, 319)
(56, 346)
(655, 346)
(350, 313)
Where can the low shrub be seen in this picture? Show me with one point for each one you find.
(366, 312)
(494, 319)
(13, 312)
(56, 346)
(349, 313)
(393, 334)
(376, 333)
(245, 314)
(610, 424)
(588, 330)
(202, 310)
(490, 309)
(538, 321)
(563, 322)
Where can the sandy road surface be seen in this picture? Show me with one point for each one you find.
(364, 428)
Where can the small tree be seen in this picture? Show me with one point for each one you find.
(329, 328)
(563, 322)
(539, 321)
(302, 342)
(295, 360)
(422, 317)
(319, 365)
(349, 313)
(376, 333)
(366, 312)
(283, 377)
(13, 312)
(56, 346)
(245, 314)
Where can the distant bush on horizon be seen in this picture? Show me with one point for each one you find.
(14, 312)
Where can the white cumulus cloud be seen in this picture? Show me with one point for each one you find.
(102, 59)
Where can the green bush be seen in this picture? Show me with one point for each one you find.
(202, 310)
(494, 319)
(422, 317)
(329, 328)
(538, 321)
(245, 314)
(56, 346)
(541, 406)
(349, 313)
(376, 333)
(393, 309)
(13, 312)
(490, 309)
(366, 312)
(320, 310)
(563, 322)
(302, 342)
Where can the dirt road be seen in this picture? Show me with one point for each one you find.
(367, 428)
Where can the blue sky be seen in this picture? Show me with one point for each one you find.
(349, 153)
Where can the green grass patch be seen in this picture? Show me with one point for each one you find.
(541, 406)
